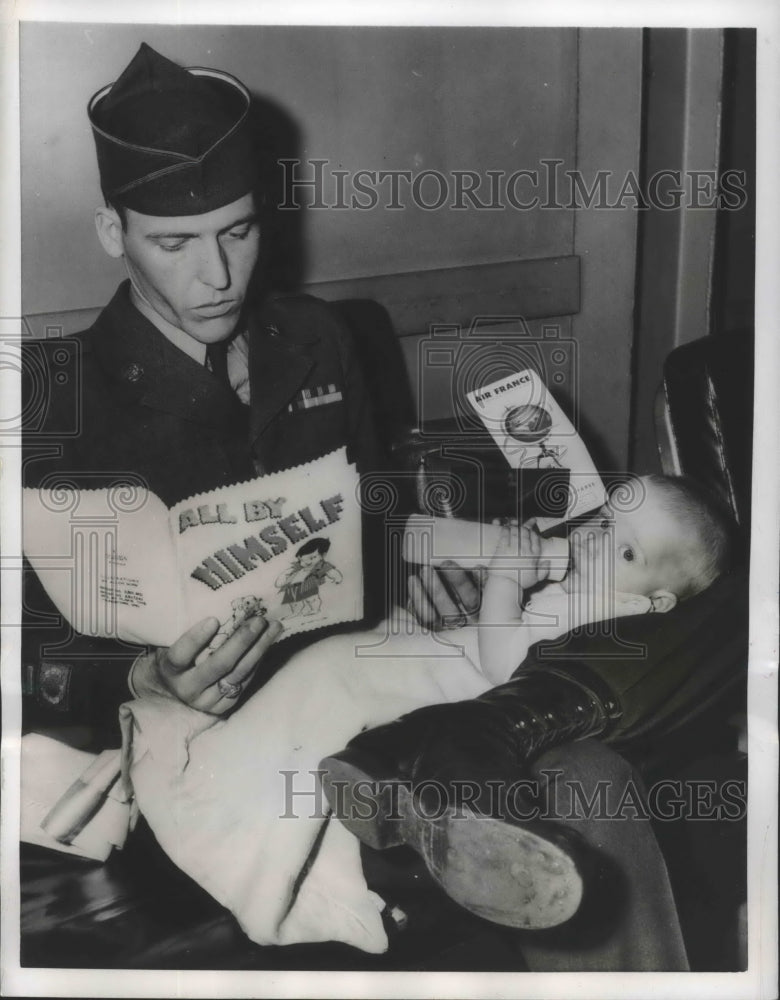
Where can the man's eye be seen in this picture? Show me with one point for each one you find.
(171, 247)
(627, 553)
(239, 234)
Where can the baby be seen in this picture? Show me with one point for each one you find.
(665, 542)
(657, 541)
(299, 881)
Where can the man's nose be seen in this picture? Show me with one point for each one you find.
(214, 270)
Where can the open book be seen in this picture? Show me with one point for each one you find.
(117, 563)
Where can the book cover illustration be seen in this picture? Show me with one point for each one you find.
(286, 546)
(532, 431)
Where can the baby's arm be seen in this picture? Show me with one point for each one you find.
(516, 566)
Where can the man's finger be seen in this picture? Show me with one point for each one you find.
(246, 666)
(444, 596)
(225, 659)
(453, 593)
(181, 655)
(223, 695)
(447, 609)
(420, 604)
(431, 600)
(462, 586)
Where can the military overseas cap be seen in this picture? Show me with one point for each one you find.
(173, 141)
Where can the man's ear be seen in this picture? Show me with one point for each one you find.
(109, 230)
(663, 601)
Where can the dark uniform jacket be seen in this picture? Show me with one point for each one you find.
(121, 403)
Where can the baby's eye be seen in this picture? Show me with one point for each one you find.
(627, 553)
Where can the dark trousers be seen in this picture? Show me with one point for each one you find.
(628, 920)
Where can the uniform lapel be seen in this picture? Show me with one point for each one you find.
(147, 369)
(280, 358)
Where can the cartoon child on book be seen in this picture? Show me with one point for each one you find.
(300, 584)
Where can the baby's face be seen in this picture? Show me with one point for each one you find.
(638, 551)
(309, 560)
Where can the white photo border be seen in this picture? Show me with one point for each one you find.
(760, 981)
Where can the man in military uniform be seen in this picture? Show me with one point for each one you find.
(186, 382)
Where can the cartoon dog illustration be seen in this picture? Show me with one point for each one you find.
(242, 608)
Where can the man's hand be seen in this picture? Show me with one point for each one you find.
(445, 598)
(213, 683)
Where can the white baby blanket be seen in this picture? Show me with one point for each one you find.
(234, 801)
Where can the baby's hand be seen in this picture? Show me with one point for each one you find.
(519, 550)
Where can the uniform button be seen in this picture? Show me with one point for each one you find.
(274, 331)
(133, 372)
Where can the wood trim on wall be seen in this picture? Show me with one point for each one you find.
(530, 289)
(608, 138)
(684, 82)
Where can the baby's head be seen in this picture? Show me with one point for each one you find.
(670, 543)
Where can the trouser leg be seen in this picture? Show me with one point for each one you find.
(628, 920)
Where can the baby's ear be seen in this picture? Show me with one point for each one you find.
(663, 601)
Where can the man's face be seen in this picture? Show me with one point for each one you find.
(640, 551)
(195, 270)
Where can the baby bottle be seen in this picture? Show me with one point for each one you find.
(431, 541)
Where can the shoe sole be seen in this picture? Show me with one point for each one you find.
(500, 871)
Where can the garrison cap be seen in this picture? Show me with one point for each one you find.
(173, 141)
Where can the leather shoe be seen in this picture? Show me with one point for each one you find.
(447, 780)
